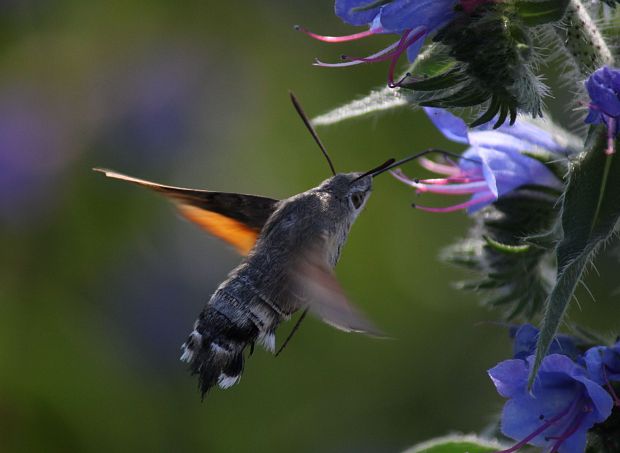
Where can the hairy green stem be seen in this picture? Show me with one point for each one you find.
(583, 40)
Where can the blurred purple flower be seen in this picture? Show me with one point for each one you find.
(604, 89)
(493, 166)
(414, 20)
(563, 405)
(149, 105)
(525, 339)
(34, 149)
(603, 363)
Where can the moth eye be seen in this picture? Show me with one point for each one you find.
(357, 199)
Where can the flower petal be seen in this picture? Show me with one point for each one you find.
(601, 400)
(521, 417)
(345, 11)
(451, 126)
(525, 341)
(506, 171)
(563, 406)
(594, 117)
(594, 362)
(556, 365)
(509, 377)
(486, 157)
(575, 443)
(528, 134)
(400, 15)
(603, 363)
(495, 139)
(604, 89)
(526, 337)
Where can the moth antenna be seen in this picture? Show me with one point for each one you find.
(383, 168)
(315, 136)
(290, 335)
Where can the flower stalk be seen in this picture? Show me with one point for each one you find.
(583, 40)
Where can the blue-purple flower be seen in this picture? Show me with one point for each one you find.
(413, 20)
(526, 337)
(493, 166)
(36, 147)
(604, 89)
(603, 364)
(564, 403)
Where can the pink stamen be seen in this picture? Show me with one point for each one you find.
(392, 52)
(611, 136)
(439, 168)
(353, 37)
(394, 49)
(396, 56)
(376, 58)
(610, 387)
(352, 62)
(453, 189)
(450, 180)
(405, 43)
(536, 432)
(445, 187)
(458, 207)
(398, 174)
(401, 80)
(571, 429)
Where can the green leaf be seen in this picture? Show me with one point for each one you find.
(541, 12)
(590, 211)
(490, 113)
(506, 248)
(513, 273)
(503, 114)
(467, 95)
(434, 61)
(375, 101)
(456, 444)
(442, 81)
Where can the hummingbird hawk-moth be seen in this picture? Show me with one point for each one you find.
(290, 249)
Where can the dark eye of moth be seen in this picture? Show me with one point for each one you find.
(357, 198)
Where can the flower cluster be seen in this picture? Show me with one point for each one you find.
(572, 392)
(485, 54)
(414, 21)
(542, 200)
(493, 166)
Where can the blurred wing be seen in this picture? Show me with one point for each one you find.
(233, 217)
(316, 284)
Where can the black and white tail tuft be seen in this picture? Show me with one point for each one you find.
(214, 361)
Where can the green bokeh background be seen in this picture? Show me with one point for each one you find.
(100, 282)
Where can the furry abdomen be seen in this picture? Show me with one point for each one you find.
(236, 316)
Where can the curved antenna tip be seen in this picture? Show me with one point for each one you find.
(315, 136)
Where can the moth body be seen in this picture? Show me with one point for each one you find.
(304, 233)
(290, 246)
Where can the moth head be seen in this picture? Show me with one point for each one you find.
(349, 189)
(359, 190)
(354, 188)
